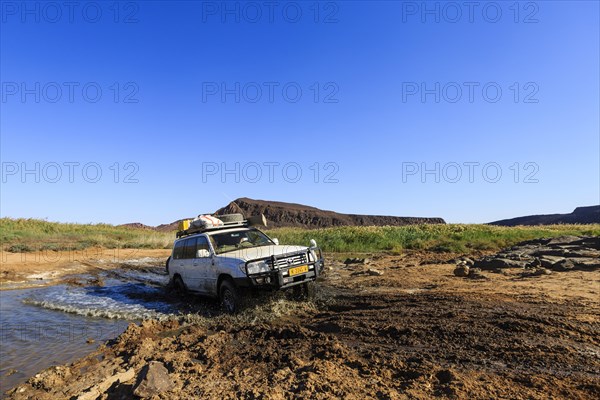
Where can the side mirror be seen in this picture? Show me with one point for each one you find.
(313, 244)
(276, 241)
(202, 253)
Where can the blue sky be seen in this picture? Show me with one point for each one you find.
(161, 98)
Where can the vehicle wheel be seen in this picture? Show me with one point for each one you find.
(229, 297)
(178, 286)
(302, 291)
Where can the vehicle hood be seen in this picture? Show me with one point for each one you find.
(254, 253)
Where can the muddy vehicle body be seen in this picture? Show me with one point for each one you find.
(230, 260)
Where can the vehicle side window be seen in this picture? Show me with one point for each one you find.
(178, 250)
(202, 244)
(190, 248)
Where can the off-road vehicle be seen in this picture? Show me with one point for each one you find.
(226, 261)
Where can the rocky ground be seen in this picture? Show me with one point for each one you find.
(378, 326)
(538, 257)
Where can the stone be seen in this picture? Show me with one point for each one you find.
(374, 272)
(535, 263)
(153, 380)
(563, 265)
(541, 271)
(357, 261)
(493, 263)
(562, 240)
(461, 271)
(96, 391)
(549, 261)
(591, 263)
(445, 376)
(475, 273)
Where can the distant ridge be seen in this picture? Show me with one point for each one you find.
(280, 214)
(581, 215)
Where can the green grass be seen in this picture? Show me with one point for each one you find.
(460, 238)
(23, 235)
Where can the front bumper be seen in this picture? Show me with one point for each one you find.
(280, 278)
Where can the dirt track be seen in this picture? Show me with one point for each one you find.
(415, 332)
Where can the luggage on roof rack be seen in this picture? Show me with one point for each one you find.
(207, 222)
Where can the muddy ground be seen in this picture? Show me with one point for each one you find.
(416, 331)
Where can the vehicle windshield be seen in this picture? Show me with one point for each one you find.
(230, 241)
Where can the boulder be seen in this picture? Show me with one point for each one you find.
(499, 263)
(153, 380)
(461, 271)
(549, 261)
(535, 263)
(563, 265)
(475, 273)
(586, 263)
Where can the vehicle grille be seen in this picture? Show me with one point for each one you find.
(290, 261)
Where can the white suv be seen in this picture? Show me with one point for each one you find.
(222, 261)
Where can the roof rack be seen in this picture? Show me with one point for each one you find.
(227, 225)
(229, 221)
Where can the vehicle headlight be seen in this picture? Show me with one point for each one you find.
(257, 267)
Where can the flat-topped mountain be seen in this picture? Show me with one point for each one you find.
(280, 214)
(581, 215)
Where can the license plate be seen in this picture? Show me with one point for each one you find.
(298, 270)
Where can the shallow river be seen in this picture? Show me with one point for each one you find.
(53, 325)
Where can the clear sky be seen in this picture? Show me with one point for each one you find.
(152, 111)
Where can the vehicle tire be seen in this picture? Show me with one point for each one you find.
(167, 264)
(178, 286)
(304, 291)
(228, 297)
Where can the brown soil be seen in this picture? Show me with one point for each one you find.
(417, 331)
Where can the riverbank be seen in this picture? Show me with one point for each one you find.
(47, 267)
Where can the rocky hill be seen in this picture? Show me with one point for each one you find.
(281, 214)
(581, 215)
